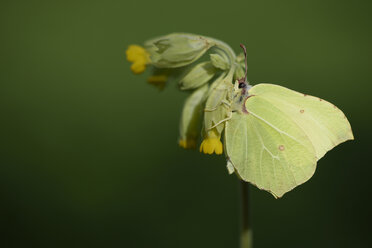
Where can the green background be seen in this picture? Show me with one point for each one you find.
(89, 154)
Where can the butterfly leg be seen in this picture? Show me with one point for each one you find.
(227, 103)
(221, 121)
(210, 110)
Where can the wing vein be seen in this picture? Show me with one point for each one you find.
(322, 126)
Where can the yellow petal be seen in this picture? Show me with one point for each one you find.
(182, 143)
(201, 146)
(190, 143)
(158, 80)
(219, 148)
(138, 67)
(211, 145)
(134, 52)
(139, 57)
(209, 148)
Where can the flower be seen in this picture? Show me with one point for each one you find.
(189, 143)
(158, 80)
(177, 49)
(139, 57)
(210, 145)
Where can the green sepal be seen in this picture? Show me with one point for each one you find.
(177, 49)
(217, 105)
(191, 115)
(219, 61)
(239, 72)
(197, 76)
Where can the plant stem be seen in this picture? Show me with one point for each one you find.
(246, 229)
(228, 50)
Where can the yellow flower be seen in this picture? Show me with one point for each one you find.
(189, 143)
(158, 80)
(210, 145)
(139, 57)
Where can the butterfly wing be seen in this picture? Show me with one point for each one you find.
(274, 145)
(324, 124)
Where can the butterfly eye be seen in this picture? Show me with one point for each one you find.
(242, 85)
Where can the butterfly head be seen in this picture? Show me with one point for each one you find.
(242, 86)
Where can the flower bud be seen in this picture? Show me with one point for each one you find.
(176, 50)
(220, 61)
(239, 72)
(191, 118)
(240, 65)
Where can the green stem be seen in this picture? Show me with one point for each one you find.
(228, 50)
(246, 229)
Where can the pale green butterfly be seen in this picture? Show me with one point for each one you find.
(275, 135)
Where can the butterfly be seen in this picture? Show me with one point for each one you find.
(274, 136)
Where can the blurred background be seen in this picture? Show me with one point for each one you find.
(89, 154)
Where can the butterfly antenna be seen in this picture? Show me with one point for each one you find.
(245, 59)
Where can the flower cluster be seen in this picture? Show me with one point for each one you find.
(209, 79)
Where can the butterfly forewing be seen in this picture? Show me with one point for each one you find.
(324, 124)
